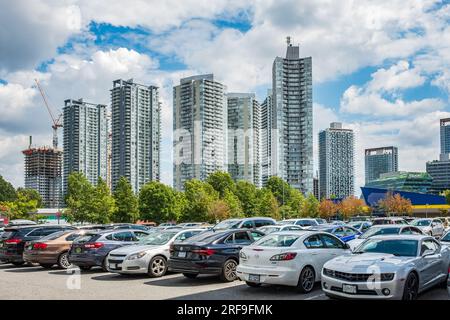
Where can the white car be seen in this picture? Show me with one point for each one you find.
(384, 230)
(288, 258)
(432, 227)
(279, 227)
(361, 226)
(389, 267)
(445, 240)
(304, 222)
(150, 255)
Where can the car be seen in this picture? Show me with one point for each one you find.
(211, 252)
(304, 222)
(279, 227)
(245, 223)
(92, 249)
(388, 267)
(445, 239)
(150, 255)
(361, 226)
(52, 249)
(321, 221)
(289, 258)
(132, 226)
(167, 224)
(338, 222)
(432, 227)
(388, 220)
(345, 233)
(12, 242)
(189, 225)
(382, 230)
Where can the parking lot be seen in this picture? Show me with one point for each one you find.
(37, 283)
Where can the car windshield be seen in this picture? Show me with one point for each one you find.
(379, 231)
(397, 247)
(277, 240)
(446, 237)
(226, 224)
(355, 225)
(157, 238)
(421, 223)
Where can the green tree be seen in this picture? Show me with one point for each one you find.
(310, 207)
(158, 202)
(218, 211)
(126, 202)
(248, 196)
(234, 204)
(221, 181)
(268, 204)
(293, 209)
(280, 189)
(101, 203)
(200, 196)
(7, 191)
(79, 192)
(28, 201)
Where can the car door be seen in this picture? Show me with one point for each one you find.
(317, 253)
(333, 246)
(432, 264)
(438, 228)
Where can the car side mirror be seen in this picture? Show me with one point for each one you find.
(428, 252)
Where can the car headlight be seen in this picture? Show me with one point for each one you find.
(137, 255)
(387, 276)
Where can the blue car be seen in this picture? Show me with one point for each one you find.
(92, 249)
(345, 233)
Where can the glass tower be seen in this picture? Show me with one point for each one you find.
(380, 160)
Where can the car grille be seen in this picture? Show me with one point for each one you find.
(356, 277)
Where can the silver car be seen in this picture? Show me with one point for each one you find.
(432, 227)
(388, 267)
(150, 255)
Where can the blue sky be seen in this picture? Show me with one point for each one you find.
(382, 68)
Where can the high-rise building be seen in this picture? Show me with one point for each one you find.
(380, 160)
(85, 140)
(336, 162)
(440, 169)
(43, 168)
(200, 128)
(136, 133)
(266, 138)
(316, 188)
(244, 124)
(292, 119)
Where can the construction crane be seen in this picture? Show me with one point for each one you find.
(56, 121)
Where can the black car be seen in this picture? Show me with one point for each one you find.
(12, 241)
(211, 252)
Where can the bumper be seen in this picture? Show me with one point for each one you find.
(40, 258)
(84, 260)
(365, 290)
(138, 266)
(276, 276)
(200, 267)
(11, 257)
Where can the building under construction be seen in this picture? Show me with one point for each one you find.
(43, 173)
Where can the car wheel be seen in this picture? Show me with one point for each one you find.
(157, 267)
(46, 265)
(410, 291)
(190, 275)
(229, 271)
(306, 280)
(253, 284)
(63, 261)
(18, 264)
(85, 268)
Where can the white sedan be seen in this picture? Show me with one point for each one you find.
(289, 258)
(432, 227)
(150, 255)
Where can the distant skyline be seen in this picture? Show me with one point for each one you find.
(384, 75)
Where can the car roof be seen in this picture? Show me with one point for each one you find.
(391, 225)
(402, 237)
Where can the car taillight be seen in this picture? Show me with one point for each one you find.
(95, 245)
(204, 252)
(284, 256)
(13, 241)
(40, 246)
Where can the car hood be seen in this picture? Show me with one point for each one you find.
(355, 242)
(367, 262)
(134, 249)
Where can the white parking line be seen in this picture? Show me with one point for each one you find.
(316, 296)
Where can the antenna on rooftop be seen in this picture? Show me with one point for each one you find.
(288, 40)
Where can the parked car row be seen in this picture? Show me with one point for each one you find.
(386, 261)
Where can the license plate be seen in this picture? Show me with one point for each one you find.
(254, 277)
(113, 265)
(182, 254)
(348, 288)
(78, 250)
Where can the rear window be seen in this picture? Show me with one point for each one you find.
(206, 237)
(87, 238)
(277, 240)
(53, 236)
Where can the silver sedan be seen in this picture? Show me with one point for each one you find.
(388, 267)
